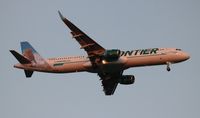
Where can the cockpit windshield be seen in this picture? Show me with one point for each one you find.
(178, 49)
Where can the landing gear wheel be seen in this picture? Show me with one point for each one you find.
(168, 66)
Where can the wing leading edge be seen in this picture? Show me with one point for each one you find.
(89, 45)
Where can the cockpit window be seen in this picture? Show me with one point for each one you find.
(178, 49)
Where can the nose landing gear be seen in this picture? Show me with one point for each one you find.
(168, 66)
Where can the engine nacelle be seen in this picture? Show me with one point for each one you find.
(111, 55)
(127, 79)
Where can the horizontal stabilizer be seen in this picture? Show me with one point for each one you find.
(20, 58)
(28, 73)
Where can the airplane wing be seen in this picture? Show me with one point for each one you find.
(110, 82)
(109, 86)
(89, 45)
(94, 50)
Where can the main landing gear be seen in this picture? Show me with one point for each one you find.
(168, 66)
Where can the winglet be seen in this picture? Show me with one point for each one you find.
(61, 16)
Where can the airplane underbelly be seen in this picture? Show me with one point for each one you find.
(113, 66)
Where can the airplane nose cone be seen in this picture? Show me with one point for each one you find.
(182, 56)
(186, 56)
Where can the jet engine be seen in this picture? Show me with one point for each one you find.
(111, 55)
(127, 79)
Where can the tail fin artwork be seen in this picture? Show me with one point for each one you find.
(29, 56)
(29, 52)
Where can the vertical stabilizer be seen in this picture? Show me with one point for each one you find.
(29, 52)
(30, 60)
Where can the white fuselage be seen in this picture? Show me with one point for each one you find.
(127, 59)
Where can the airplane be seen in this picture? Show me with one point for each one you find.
(109, 64)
